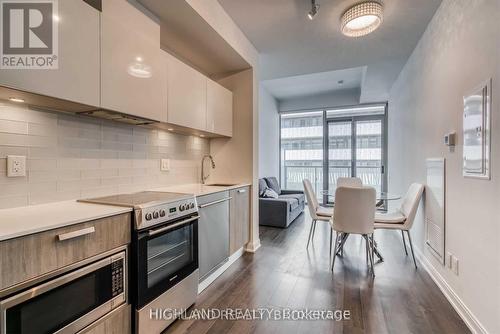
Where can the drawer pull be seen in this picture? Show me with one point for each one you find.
(201, 206)
(241, 191)
(76, 234)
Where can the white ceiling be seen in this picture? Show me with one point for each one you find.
(314, 84)
(291, 45)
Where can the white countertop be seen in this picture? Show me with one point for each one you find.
(199, 189)
(17, 222)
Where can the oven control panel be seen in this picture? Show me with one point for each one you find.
(148, 217)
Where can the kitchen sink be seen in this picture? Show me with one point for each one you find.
(220, 184)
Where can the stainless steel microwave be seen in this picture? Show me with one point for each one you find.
(67, 303)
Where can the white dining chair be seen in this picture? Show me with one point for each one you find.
(403, 218)
(317, 212)
(354, 214)
(349, 182)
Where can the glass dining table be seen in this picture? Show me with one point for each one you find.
(381, 199)
(381, 196)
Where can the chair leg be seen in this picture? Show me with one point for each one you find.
(331, 240)
(404, 242)
(335, 249)
(310, 233)
(372, 253)
(314, 229)
(366, 253)
(411, 247)
(340, 250)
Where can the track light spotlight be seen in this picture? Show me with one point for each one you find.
(314, 10)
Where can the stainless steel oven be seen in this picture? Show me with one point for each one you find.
(164, 258)
(68, 302)
(166, 254)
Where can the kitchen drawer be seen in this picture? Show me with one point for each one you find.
(30, 256)
(116, 322)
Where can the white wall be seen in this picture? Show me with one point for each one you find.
(268, 134)
(340, 98)
(459, 50)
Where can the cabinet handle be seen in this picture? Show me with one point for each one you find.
(241, 191)
(76, 234)
(214, 202)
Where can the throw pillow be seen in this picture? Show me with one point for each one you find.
(269, 193)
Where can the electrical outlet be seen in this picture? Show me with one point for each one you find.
(449, 257)
(455, 265)
(165, 165)
(16, 165)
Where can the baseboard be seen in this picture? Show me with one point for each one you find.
(219, 271)
(463, 311)
(252, 247)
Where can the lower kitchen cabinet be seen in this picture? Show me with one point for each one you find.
(213, 231)
(116, 322)
(239, 218)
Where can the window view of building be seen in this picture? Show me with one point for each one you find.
(302, 150)
(355, 141)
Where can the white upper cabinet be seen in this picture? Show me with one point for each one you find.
(219, 109)
(77, 76)
(133, 71)
(187, 95)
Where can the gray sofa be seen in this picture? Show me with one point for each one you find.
(281, 211)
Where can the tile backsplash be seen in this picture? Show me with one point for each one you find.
(70, 157)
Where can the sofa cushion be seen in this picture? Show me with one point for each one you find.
(293, 203)
(269, 193)
(299, 197)
(262, 187)
(273, 183)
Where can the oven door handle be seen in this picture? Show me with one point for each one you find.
(169, 227)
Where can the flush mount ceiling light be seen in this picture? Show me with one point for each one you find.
(362, 19)
(314, 10)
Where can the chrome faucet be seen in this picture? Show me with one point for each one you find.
(203, 177)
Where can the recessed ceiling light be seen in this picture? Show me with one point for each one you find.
(170, 129)
(202, 136)
(16, 99)
(362, 19)
(314, 10)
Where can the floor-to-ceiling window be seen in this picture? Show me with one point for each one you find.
(344, 142)
(302, 150)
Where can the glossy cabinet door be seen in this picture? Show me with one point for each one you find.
(77, 77)
(187, 95)
(219, 109)
(133, 73)
(239, 218)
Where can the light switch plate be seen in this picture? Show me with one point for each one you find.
(16, 165)
(165, 165)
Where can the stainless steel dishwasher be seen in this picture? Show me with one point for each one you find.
(213, 231)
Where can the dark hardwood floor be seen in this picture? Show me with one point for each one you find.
(282, 274)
